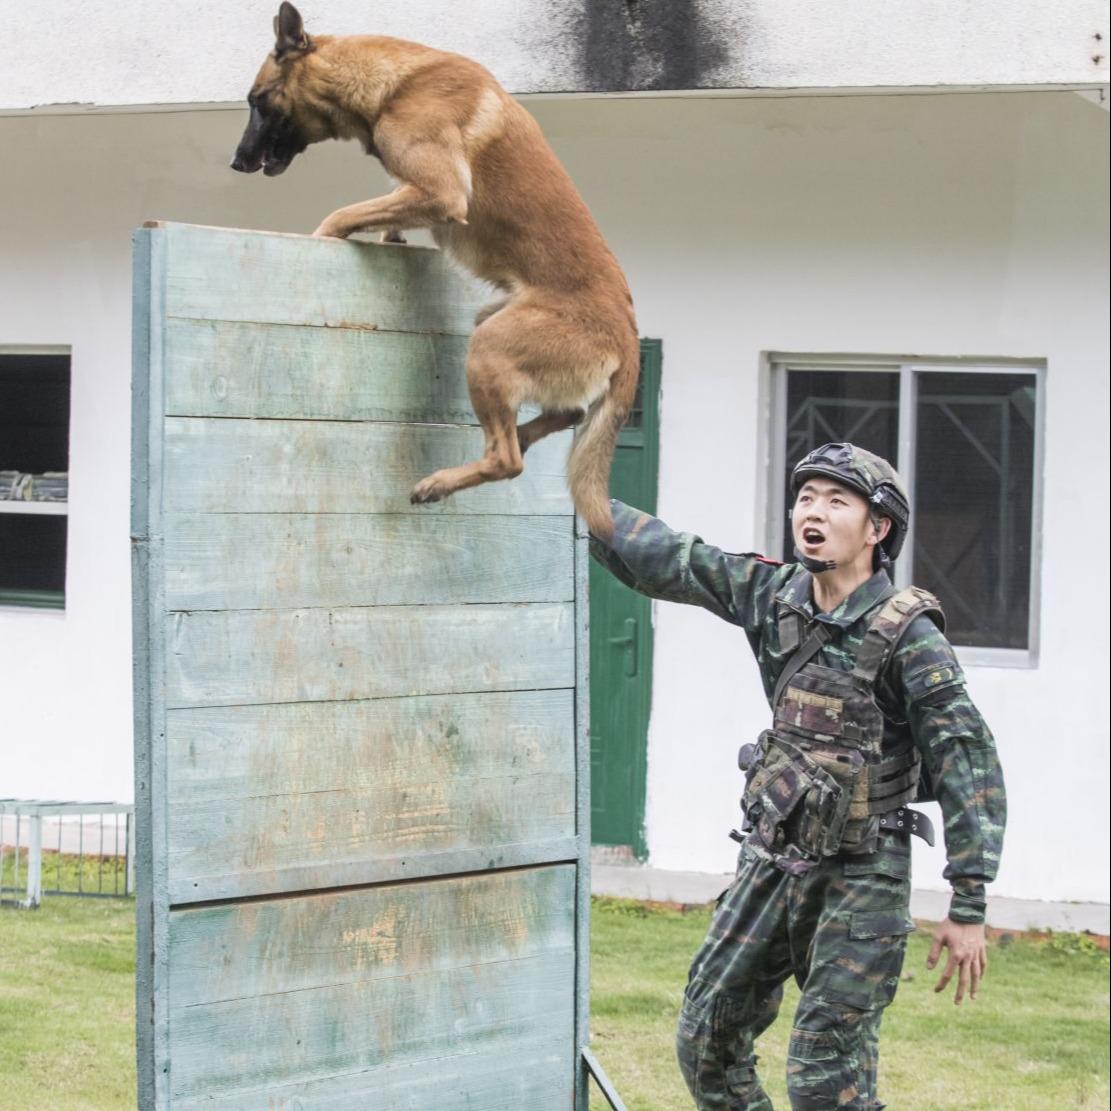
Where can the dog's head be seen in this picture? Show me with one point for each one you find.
(283, 121)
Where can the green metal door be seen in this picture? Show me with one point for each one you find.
(621, 639)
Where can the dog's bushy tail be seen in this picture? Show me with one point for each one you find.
(588, 466)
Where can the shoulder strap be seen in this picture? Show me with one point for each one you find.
(889, 625)
(819, 635)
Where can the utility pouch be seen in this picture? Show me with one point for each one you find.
(787, 784)
(825, 809)
(826, 813)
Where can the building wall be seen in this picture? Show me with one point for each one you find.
(135, 53)
(943, 226)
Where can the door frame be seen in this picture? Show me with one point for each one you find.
(645, 435)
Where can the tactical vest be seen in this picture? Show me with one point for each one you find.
(819, 782)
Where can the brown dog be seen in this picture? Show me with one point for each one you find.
(473, 166)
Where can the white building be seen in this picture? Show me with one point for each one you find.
(826, 212)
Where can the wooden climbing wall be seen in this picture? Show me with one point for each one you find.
(360, 725)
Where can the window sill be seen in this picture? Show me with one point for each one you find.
(52, 600)
(996, 657)
(46, 508)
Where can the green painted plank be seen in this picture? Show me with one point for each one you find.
(289, 991)
(314, 795)
(309, 655)
(230, 369)
(290, 877)
(229, 274)
(233, 951)
(262, 560)
(527, 1073)
(277, 466)
(222, 1049)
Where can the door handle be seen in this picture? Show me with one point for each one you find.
(629, 642)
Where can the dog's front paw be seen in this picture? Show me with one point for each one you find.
(428, 490)
(329, 231)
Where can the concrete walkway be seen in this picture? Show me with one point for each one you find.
(634, 881)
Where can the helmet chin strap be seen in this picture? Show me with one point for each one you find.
(815, 566)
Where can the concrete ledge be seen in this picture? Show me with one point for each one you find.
(137, 54)
(632, 881)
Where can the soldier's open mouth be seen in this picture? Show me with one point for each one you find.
(813, 536)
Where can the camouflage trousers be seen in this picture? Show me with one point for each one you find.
(840, 929)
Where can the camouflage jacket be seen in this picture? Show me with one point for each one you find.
(921, 691)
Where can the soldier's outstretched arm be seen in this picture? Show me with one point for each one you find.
(678, 566)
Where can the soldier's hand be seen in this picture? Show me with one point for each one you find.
(968, 952)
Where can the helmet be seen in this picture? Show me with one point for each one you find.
(868, 474)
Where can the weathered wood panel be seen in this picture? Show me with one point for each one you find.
(300, 796)
(229, 658)
(357, 986)
(230, 369)
(278, 466)
(502, 1074)
(340, 691)
(262, 560)
(227, 274)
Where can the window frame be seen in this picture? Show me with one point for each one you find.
(911, 369)
(31, 601)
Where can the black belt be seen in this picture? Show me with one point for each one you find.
(905, 820)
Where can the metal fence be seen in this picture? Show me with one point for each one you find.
(80, 848)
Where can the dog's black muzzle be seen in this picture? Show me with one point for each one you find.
(270, 142)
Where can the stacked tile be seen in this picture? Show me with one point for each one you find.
(51, 486)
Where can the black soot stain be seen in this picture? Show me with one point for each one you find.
(642, 45)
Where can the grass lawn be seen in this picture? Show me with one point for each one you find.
(67, 1005)
(1037, 1037)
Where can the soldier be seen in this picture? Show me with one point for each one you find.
(870, 712)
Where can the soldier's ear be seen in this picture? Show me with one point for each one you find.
(289, 32)
(882, 526)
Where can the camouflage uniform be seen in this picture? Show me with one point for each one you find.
(840, 928)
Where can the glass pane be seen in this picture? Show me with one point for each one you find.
(834, 406)
(34, 461)
(32, 556)
(34, 413)
(973, 503)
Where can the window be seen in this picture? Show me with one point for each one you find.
(966, 438)
(34, 480)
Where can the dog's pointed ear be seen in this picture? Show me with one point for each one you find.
(289, 32)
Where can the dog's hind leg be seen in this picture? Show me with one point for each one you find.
(495, 387)
(545, 424)
(511, 353)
